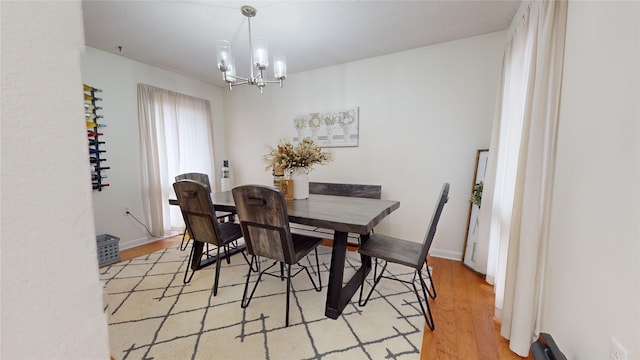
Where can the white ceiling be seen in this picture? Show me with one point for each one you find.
(180, 36)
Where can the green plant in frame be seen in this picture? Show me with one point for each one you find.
(476, 195)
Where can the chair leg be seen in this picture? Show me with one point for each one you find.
(217, 276)
(288, 291)
(319, 286)
(246, 300)
(376, 280)
(226, 253)
(183, 245)
(246, 259)
(432, 289)
(282, 271)
(427, 314)
(186, 273)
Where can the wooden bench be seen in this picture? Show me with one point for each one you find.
(337, 189)
(351, 190)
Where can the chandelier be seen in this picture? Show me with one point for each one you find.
(258, 57)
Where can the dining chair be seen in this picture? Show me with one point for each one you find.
(199, 177)
(204, 179)
(262, 213)
(545, 348)
(199, 216)
(408, 253)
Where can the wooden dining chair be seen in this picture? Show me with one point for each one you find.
(199, 216)
(204, 179)
(199, 177)
(407, 253)
(262, 213)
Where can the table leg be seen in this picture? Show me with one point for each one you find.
(337, 295)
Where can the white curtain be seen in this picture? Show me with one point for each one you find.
(175, 138)
(518, 186)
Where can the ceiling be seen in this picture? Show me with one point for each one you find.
(180, 36)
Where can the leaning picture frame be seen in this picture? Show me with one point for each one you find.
(333, 128)
(475, 199)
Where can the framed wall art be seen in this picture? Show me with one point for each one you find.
(334, 128)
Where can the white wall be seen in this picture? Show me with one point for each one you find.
(51, 293)
(423, 115)
(593, 280)
(118, 78)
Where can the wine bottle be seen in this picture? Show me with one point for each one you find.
(102, 168)
(95, 160)
(95, 177)
(94, 142)
(97, 186)
(89, 97)
(91, 116)
(93, 133)
(90, 88)
(96, 151)
(91, 107)
(91, 125)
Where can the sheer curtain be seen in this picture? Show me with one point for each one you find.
(175, 137)
(518, 186)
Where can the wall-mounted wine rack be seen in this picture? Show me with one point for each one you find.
(94, 135)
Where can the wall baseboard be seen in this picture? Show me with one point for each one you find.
(446, 254)
(135, 242)
(142, 241)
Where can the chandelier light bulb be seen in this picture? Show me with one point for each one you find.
(279, 66)
(223, 48)
(260, 54)
(230, 73)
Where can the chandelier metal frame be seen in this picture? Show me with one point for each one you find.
(258, 57)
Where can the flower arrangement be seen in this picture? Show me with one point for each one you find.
(300, 122)
(305, 154)
(346, 118)
(330, 119)
(314, 120)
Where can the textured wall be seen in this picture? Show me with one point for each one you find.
(51, 294)
(592, 285)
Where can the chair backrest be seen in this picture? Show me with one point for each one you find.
(352, 190)
(199, 177)
(431, 231)
(263, 217)
(197, 210)
(545, 348)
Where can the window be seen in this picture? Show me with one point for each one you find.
(175, 137)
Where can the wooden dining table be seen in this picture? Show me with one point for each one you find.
(342, 214)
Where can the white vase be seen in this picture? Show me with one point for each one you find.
(346, 129)
(300, 177)
(329, 130)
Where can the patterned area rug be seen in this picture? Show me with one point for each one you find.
(153, 315)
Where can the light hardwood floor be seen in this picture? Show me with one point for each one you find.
(463, 315)
(463, 311)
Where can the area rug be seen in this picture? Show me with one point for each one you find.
(153, 315)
